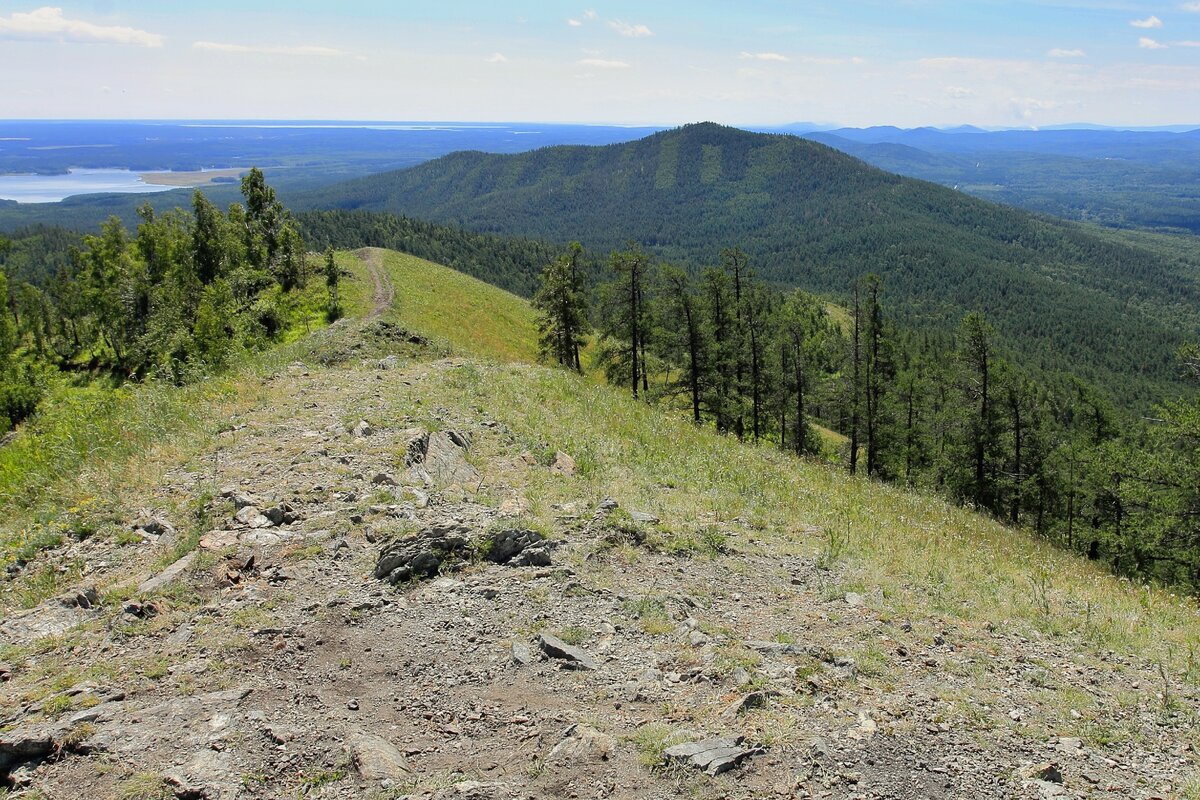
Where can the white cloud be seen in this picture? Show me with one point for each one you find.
(497, 58)
(960, 92)
(1059, 52)
(602, 63)
(764, 56)
(49, 24)
(268, 49)
(1146, 43)
(590, 14)
(627, 29)
(827, 61)
(1194, 7)
(1186, 44)
(1148, 22)
(574, 23)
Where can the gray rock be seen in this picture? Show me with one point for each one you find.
(854, 599)
(424, 554)
(643, 517)
(439, 459)
(519, 548)
(582, 745)
(377, 760)
(362, 429)
(25, 743)
(777, 648)
(154, 527)
(563, 465)
(81, 598)
(167, 575)
(384, 479)
(239, 498)
(251, 517)
(573, 657)
(521, 654)
(714, 756)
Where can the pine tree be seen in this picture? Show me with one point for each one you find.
(332, 278)
(561, 303)
(626, 319)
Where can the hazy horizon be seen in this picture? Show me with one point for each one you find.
(1038, 63)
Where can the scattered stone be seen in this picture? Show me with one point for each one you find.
(6, 673)
(239, 498)
(855, 600)
(573, 657)
(777, 648)
(167, 575)
(282, 514)
(439, 459)
(377, 760)
(384, 479)
(749, 702)
(521, 654)
(1046, 771)
(252, 518)
(697, 638)
(643, 517)
(563, 465)
(81, 598)
(581, 745)
(25, 743)
(424, 554)
(714, 756)
(352, 704)
(153, 527)
(362, 429)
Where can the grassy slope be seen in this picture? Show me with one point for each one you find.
(917, 555)
(457, 309)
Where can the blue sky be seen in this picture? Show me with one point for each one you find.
(859, 62)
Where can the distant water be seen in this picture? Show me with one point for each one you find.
(52, 188)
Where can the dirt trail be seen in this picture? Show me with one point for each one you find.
(384, 294)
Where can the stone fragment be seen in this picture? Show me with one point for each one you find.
(251, 517)
(384, 479)
(362, 429)
(563, 465)
(714, 756)
(377, 760)
(521, 654)
(573, 657)
(169, 574)
(582, 745)
(643, 517)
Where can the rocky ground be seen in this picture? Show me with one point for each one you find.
(370, 612)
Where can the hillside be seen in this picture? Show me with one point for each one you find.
(851, 639)
(1062, 297)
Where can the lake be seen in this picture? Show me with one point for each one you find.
(52, 188)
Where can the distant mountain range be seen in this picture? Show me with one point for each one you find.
(1064, 297)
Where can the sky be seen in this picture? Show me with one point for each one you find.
(753, 62)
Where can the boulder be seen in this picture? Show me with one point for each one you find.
(440, 459)
(572, 657)
(582, 745)
(563, 465)
(424, 554)
(518, 548)
(376, 760)
(714, 756)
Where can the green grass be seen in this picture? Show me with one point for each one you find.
(465, 313)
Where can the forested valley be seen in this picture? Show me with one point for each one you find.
(180, 297)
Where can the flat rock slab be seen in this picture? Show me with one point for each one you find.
(573, 656)
(714, 756)
(167, 575)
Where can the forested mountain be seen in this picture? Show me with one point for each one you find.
(1060, 296)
